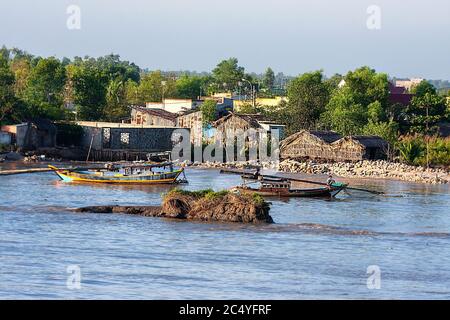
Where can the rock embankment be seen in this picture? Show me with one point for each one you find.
(362, 169)
(198, 206)
(369, 169)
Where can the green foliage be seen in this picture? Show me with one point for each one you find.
(387, 130)
(413, 150)
(7, 98)
(269, 79)
(188, 87)
(425, 110)
(363, 98)
(44, 89)
(307, 96)
(228, 74)
(209, 112)
(205, 193)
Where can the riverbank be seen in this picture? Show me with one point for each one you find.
(379, 169)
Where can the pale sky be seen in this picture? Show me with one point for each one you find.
(292, 36)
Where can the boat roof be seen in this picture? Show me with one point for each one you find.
(143, 165)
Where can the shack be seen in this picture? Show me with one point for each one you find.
(330, 146)
(32, 135)
(193, 120)
(309, 145)
(152, 116)
(356, 148)
(233, 124)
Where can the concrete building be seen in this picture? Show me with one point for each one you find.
(175, 105)
(121, 141)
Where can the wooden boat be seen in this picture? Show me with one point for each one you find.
(122, 174)
(273, 187)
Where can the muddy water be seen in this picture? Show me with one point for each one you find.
(316, 248)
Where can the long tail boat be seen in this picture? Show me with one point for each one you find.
(123, 174)
(282, 187)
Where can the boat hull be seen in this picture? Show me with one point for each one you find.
(295, 193)
(163, 178)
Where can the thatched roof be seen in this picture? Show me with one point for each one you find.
(326, 136)
(369, 141)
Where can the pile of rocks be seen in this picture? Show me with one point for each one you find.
(369, 169)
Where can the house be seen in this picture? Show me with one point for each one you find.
(124, 141)
(309, 145)
(32, 135)
(175, 105)
(330, 146)
(399, 95)
(408, 84)
(152, 116)
(233, 124)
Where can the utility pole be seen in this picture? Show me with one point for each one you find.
(252, 88)
(163, 85)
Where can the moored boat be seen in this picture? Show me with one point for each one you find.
(270, 187)
(122, 174)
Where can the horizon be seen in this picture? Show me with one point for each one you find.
(290, 37)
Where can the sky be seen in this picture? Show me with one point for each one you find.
(404, 38)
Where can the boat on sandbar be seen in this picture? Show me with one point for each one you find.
(135, 173)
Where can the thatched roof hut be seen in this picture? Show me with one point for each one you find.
(355, 148)
(309, 145)
(330, 146)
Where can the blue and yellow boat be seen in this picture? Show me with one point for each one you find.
(122, 174)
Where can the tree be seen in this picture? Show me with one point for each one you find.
(425, 111)
(7, 98)
(307, 96)
(44, 89)
(116, 108)
(269, 79)
(189, 87)
(209, 112)
(153, 85)
(363, 98)
(89, 90)
(228, 74)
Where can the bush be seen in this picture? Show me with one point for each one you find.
(413, 150)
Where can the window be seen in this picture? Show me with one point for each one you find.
(106, 138)
(125, 138)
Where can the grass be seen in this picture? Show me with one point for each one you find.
(210, 194)
(205, 193)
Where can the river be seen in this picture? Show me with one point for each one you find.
(316, 248)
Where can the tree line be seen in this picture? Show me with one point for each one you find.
(102, 88)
